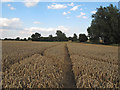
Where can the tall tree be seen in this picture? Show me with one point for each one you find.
(50, 38)
(75, 37)
(105, 25)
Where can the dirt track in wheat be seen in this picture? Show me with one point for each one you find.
(59, 65)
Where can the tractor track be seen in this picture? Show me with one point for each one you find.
(69, 78)
(69, 69)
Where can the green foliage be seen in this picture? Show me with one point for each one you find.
(29, 38)
(61, 36)
(75, 37)
(25, 39)
(105, 25)
(70, 38)
(82, 38)
(35, 37)
(18, 38)
(51, 38)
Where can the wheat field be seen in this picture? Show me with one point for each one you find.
(27, 64)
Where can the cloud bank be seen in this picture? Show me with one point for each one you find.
(13, 23)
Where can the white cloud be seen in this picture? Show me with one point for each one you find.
(74, 8)
(43, 30)
(62, 28)
(2, 30)
(32, 29)
(13, 24)
(9, 5)
(57, 6)
(31, 3)
(82, 15)
(36, 22)
(72, 4)
(93, 12)
(64, 13)
(12, 8)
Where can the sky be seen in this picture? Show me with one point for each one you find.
(21, 19)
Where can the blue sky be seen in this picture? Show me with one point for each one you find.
(24, 18)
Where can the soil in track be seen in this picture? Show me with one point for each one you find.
(69, 74)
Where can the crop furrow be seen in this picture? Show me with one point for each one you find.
(69, 69)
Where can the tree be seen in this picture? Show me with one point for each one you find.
(70, 38)
(5, 39)
(50, 38)
(105, 25)
(35, 37)
(18, 38)
(61, 36)
(93, 34)
(74, 37)
(25, 39)
(82, 38)
(29, 38)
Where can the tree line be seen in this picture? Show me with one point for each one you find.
(60, 36)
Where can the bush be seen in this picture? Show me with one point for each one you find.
(82, 38)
